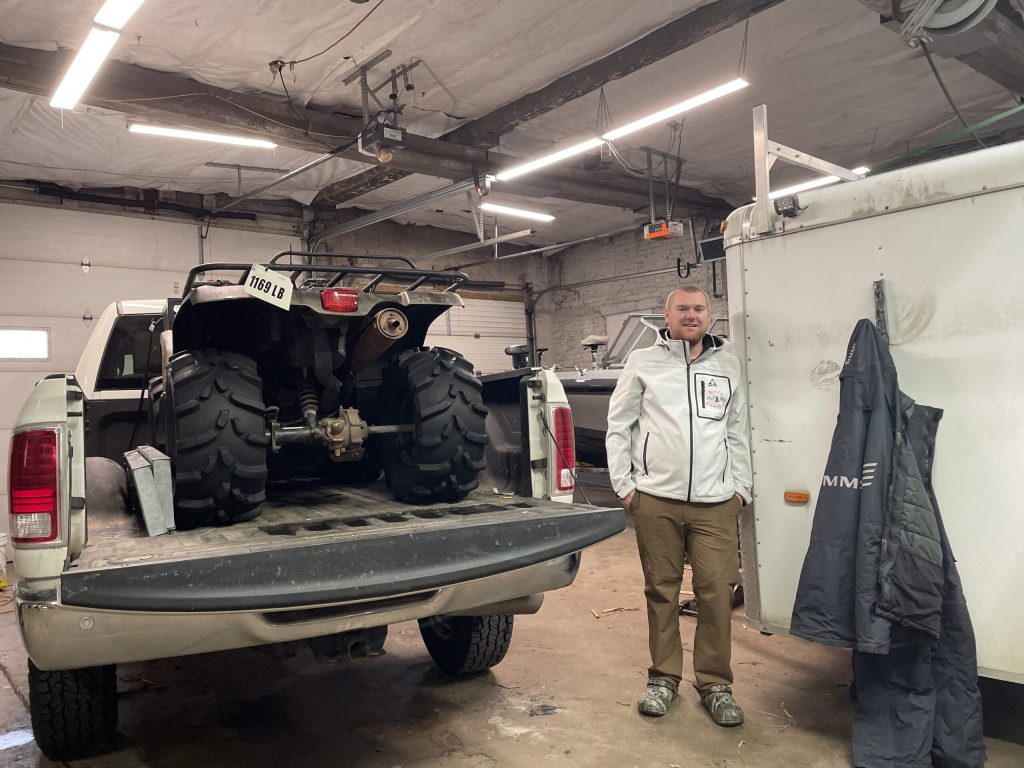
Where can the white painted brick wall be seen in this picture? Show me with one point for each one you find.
(580, 312)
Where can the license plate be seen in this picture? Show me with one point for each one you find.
(272, 287)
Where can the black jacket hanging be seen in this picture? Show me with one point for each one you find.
(879, 576)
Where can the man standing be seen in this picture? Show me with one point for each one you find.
(679, 459)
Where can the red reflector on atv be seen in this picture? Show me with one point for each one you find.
(340, 299)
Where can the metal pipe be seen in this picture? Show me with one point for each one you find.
(390, 429)
(378, 334)
(650, 183)
(396, 209)
(313, 436)
(554, 247)
(281, 179)
(481, 244)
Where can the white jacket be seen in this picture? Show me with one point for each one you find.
(679, 430)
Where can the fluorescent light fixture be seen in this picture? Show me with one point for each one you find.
(676, 109)
(180, 133)
(554, 157)
(615, 133)
(821, 181)
(115, 13)
(83, 69)
(520, 212)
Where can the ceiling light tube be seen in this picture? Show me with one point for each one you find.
(821, 181)
(554, 157)
(116, 13)
(180, 133)
(676, 109)
(83, 69)
(520, 212)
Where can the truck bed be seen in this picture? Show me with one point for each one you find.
(316, 545)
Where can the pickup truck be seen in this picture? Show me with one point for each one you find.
(322, 565)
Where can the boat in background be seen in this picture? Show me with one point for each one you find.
(588, 389)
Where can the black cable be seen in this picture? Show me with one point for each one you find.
(301, 118)
(942, 85)
(145, 382)
(325, 50)
(572, 470)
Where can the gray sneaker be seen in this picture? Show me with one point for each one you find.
(659, 693)
(718, 701)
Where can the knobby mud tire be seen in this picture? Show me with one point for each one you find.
(74, 711)
(220, 436)
(436, 391)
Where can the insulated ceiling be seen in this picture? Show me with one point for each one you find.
(836, 84)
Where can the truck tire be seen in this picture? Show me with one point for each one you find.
(74, 711)
(463, 645)
(436, 391)
(157, 433)
(220, 438)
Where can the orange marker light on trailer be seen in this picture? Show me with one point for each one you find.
(797, 497)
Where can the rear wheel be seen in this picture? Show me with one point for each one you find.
(462, 645)
(220, 438)
(435, 391)
(74, 711)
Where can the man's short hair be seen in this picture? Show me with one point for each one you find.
(687, 288)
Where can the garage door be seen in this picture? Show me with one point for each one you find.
(481, 330)
(44, 284)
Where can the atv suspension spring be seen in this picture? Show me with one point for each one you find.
(309, 404)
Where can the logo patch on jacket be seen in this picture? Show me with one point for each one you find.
(713, 394)
(866, 479)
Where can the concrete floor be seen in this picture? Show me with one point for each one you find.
(565, 695)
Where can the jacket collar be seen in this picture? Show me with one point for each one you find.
(709, 341)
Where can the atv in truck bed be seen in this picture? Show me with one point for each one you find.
(292, 369)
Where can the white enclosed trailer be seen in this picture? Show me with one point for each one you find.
(947, 240)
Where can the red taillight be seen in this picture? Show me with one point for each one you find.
(339, 299)
(565, 452)
(34, 486)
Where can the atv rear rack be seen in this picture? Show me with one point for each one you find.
(376, 274)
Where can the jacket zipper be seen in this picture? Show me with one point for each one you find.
(645, 452)
(725, 442)
(689, 410)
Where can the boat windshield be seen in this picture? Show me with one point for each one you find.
(640, 331)
(637, 332)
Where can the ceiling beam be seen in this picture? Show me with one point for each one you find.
(997, 42)
(485, 131)
(678, 35)
(139, 92)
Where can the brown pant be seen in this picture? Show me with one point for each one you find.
(667, 529)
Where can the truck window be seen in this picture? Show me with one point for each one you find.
(130, 348)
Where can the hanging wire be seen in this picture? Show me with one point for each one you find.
(741, 70)
(942, 85)
(291, 64)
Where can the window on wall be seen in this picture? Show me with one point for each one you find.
(18, 344)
